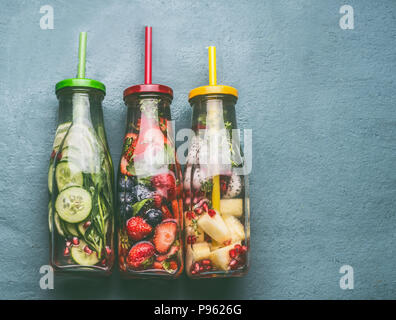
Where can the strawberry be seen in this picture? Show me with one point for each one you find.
(164, 236)
(165, 183)
(138, 228)
(157, 200)
(173, 265)
(166, 212)
(141, 255)
(123, 166)
(172, 251)
(157, 265)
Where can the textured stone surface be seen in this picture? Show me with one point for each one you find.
(320, 101)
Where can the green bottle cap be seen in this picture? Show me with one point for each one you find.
(81, 81)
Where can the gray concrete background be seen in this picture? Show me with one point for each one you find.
(320, 101)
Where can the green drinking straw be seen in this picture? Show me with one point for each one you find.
(80, 80)
(82, 50)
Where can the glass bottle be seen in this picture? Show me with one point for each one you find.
(216, 218)
(80, 180)
(149, 184)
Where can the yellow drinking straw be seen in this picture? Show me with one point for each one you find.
(213, 82)
(214, 111)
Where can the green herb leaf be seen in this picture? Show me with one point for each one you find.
(148, 262)
(139, 205)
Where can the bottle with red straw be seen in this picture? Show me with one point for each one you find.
(149, 190)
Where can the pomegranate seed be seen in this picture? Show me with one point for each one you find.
(196, 267)
(238, 248)
(233, 263)
(198, 211)
(103, 262)
(87, 224)
(244, 249)
(66, 252)
(208, 267)
(75, 241)
(233, 253)
(68, 243)
(211, 213)
(87, 250)
(108, 250)
(190, 215)
(193, 272)
(205, 206)
(201, 268)
(195, 200)
(191, 239)
(206, 262)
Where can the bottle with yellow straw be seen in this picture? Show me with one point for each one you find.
(216, 198)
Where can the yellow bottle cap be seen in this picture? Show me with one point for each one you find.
(213, 87)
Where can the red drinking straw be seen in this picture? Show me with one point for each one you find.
(148, 86)
(147, 61)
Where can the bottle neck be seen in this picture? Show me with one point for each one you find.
(81, 106)
(148, 111)
(213, 112)
(81, 109)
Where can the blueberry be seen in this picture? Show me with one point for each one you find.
(125, 183)
(141, 192)
(153, 216)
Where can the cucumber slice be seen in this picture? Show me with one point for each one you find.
(71, 228)
(67, 174)
(60, 134)
(81, 257)
(58, 225)
(50, 217)
(50, 177)
(81, 228)
(74, 204)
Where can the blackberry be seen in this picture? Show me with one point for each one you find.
(153, 216)
(126, 198)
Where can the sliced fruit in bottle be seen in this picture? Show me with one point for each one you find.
(231, 207)
(74, 204)
(71, 228)
(50, 177)
(83, 258)
(201, 251)
(215, 227)
(165, 235)
(50, 217)
(236, 228)
(60, 134)
(58, 225)
(67, 174)
(221, 257)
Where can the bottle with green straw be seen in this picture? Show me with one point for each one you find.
(80, 178)
(216, 215)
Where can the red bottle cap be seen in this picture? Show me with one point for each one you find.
(148, 87)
